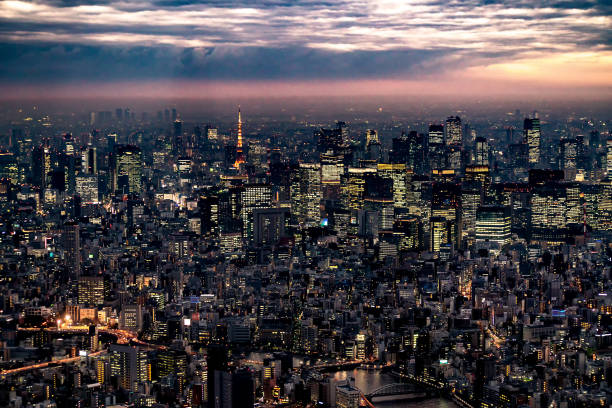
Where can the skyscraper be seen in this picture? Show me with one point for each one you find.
(609, 157)
(72, 247)
(89, 160)
(127, 169)
(481, 154)
(531, 137)
(493, 224)
(329, 139)
(216, 363)
(91, 290)
(253, 196)
(177, 142)
(397, 173)
(454, 131)
(86, 186)
(436, 135)
(129, 365)
(41, 166)
(306, 194)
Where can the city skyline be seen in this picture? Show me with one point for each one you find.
(305, 204)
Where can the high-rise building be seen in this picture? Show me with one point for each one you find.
(332, 168)
(479, 175)
(446, 203)
(212, 133)
(306, 194)
(409, 229)
(436, 135)
(569, 153)
(371, 136)
(9, 168)
(329, 139)
(253, 196)
(549, 212)
(208, 205)
(398, 174)
(410, 150)
(216, 363)
(91, 290)
(129, 365)
(493, 225)
(89, 159)
(436, 153)
(130, 317)
(471, 199)
(269, 225)
(178, 144)
(41, 166)
(353, 187)
(347, 396)
(531, 137)
(609, 157)
(440, 234)
(72, 247)
(454, 131)
(481, 152)
(172, 362)
(127, 169)
(86, 186)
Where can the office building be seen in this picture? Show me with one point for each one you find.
(91, 290)
(493, 224)
(531, 137)
(454, 131)
(72, 247)
(130, 366)
(127, 169)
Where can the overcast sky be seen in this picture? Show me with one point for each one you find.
(305, 47)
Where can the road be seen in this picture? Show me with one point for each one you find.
(5, 373)
(123, 337)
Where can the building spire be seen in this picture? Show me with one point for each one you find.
(239, 154)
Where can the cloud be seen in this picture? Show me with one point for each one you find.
(104, 62)
(63, 40)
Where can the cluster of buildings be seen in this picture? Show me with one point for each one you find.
(163, 263)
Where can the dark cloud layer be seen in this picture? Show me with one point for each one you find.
(68, 40)
(36, 62)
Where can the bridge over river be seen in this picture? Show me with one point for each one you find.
(395, 392)
(382, 390)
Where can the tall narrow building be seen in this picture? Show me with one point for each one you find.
(454, 131)
(72, 247)
(41, 166)
(127, 169)
(531, 137)
(609, 157)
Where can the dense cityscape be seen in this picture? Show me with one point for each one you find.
(153, 259)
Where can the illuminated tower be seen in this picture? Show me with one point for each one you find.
(239, 153)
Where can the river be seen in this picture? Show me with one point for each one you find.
(369, 380)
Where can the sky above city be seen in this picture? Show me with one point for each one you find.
(216, 48)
